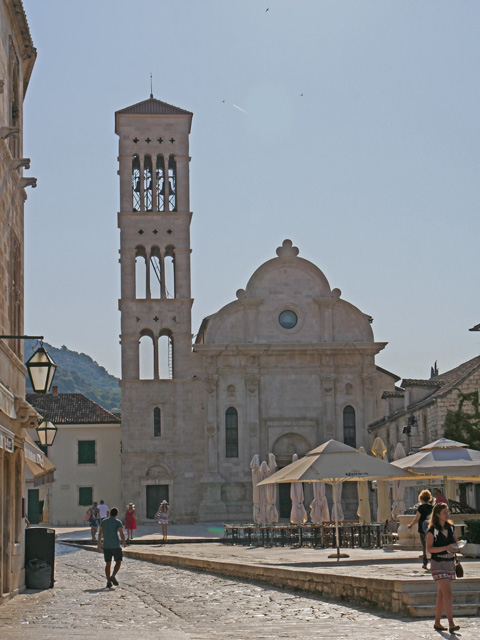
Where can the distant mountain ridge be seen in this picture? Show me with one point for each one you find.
(79, 373)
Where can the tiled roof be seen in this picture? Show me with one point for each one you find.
(393, 394)
(152, 106)
(71, 408)
(413, 382)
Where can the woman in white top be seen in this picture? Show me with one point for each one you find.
(162, 517)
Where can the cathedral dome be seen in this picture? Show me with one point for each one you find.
(287, 300)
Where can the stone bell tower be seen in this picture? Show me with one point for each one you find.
(155, 304)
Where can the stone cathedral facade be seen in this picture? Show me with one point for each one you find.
(284, 367)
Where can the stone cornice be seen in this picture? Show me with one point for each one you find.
(329, 347)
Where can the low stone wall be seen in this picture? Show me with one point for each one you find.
(370, 592)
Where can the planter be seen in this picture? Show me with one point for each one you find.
(471, 550)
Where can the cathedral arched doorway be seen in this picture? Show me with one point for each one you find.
(283, 448)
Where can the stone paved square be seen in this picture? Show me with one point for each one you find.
(154, 601)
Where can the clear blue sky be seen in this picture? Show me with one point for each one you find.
(373, 172)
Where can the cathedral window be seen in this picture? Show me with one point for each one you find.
(231, 433)
(288, 319)
(147, 183)
(160, 183)
(136, 189)
(349, 427)
(172, 184)
(157, 422)
(169, 270)
(165, 355)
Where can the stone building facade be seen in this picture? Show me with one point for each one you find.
(17, 57)
(415, 412)
(285, 366)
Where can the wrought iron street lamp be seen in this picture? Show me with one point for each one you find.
(41, 366)
(41, 369)
(46, 432)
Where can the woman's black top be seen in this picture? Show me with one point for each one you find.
(424, 510)
(442, 540)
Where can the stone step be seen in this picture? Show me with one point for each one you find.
(428, 611)
(430, 586)
(459, 598)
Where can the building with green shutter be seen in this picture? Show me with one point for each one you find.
(86, 456)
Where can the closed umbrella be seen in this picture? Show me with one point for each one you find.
(256, 478)
(379, 450)
(334, 462)
(363, 511)
(319, 508)
(398, 490)
(263, 494)
(271, 513)
(298, 514)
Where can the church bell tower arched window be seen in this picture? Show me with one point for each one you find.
(136, 190)
(172, 184)
(160, 183)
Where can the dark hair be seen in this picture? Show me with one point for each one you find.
(114, 512)
(434, 519)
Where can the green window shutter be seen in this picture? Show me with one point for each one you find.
(86, 452)
(85, 496)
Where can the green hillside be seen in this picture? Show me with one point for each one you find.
(79, 373)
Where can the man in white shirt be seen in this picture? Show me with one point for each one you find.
(102, 507)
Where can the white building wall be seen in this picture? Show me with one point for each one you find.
(103, 475)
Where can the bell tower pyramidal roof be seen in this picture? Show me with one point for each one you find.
(152, 106)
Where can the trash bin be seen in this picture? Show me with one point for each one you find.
(39, 552)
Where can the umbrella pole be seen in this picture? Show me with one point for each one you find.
(337, 555)
(336, 520)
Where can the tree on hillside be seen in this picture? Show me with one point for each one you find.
(463, 424)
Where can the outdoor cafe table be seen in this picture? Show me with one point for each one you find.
(351, 534)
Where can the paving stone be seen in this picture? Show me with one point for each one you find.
(155, 601)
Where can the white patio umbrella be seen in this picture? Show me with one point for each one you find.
(298, 514)
(334, 462)
(379, 450)
(363, 512)
(271, 512)
(398, 491)
(256, 478)
(319, 511)
(445, 459)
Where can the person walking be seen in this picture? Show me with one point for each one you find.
(94, 520)
(110, 528)
(130, 521)
(103, 509)
(422, 517)
(440, 543)
(162, 517)
(439, 498)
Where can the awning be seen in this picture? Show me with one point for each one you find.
(7, 439)
(37, 463)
